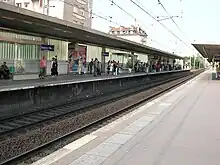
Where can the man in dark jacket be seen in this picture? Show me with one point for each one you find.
(4, 71)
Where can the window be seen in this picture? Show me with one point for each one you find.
(78, 16)
(18, 4)
(81, 2)
(26, 4)
(75, 9)
(81, 12)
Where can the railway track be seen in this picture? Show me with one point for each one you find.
(15, 123)
(18, 122)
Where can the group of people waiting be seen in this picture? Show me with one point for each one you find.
(95, 67)
(155, 66)
(113, 67)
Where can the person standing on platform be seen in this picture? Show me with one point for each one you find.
(114, 67)
(53, 67)
(56, 66)
(91, 66)
(99, 68)
(147, 67)
(111, 67)
(108, 67)
(80, 65)
(4, 71)
(43, 66)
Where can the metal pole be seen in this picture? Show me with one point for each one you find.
(194, 62)
(48, 6)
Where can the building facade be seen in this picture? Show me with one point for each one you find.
(134, 33)
(23, 52)
(76, 11)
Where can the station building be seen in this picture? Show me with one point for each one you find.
(22, 52)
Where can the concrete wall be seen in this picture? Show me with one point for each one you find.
(135, 38)
(26, 100)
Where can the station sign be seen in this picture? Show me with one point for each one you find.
(217, 58)
(46, 47)
(106, 54)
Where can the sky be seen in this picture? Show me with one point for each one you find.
(198, 21)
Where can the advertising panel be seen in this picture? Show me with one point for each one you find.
(75, 55)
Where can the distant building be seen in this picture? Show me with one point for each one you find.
(76, 11)
(11, 2)
(133, 33)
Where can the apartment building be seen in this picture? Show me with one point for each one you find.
(133, 33)
(76, 11)
(11, 2)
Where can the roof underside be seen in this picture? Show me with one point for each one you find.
(208, 50)
(31, 22)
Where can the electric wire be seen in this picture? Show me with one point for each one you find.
(153, 17)
(172, 19)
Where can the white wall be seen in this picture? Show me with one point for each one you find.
(32, 5)
(93, 52)
(55, 10)
(142, 57)
(134, 38)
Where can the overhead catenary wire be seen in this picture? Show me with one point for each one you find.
(92, 13)
(129, 14)
(112, 1)
(172, 19)
(149, 14)
(102, 17)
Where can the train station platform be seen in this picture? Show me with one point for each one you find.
(178, 128)
(10, 85)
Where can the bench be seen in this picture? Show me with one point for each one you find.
(25, 76)
(21, 76)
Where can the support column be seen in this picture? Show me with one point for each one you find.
(103, 59)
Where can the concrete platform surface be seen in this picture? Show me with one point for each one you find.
(8, 85)
(178, 128)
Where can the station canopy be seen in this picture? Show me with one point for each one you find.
(209, 51)
(29, 22)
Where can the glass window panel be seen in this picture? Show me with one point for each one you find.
(1, 54)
